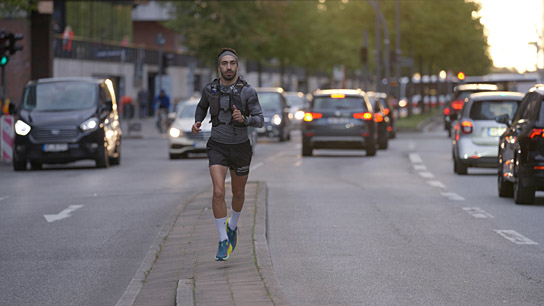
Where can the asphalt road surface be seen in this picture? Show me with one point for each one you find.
(399, 228)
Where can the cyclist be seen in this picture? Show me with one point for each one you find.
(161, 107)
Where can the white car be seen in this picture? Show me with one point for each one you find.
(181, 140)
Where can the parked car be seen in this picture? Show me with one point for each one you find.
(382, 120)
(296, 101)
(182, 141)
(62, 120)
(275, 112)
(461, 92)
(339, 119)
(521, 149)
(476, 133)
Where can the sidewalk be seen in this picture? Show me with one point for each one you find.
(182, 269)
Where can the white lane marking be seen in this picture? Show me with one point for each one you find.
(63, 214)
(415, 158)
(426, 174)
(420, 167)
(515, 237)
(477, 212)
(3, 198)
(257, 166)
(298, 163)
(436, 184)
(453, 196)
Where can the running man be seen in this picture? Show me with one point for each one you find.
(233, 106)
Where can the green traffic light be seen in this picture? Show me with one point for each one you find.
(4, 60)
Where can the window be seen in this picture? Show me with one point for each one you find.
(328, 103)
(488, 110)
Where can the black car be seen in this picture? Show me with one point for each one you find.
(521, 149)
(62, 120)
(277, 122)
(382, 120)
(339, 119)
(387, 110)
(461, 92)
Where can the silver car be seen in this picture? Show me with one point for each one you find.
(476, 133)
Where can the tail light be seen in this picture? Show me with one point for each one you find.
(311, 116)
(447, 111)
(386, 111)
(466, 127)
(457, 104)
(536, 133)
(364, 116)
(378, 117)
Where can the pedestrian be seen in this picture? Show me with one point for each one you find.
(143, 100)
(233, 106)
(162, 107)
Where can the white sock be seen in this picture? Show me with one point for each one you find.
(233, 222)
(221, 227)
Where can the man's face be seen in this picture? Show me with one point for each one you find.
(228, 67)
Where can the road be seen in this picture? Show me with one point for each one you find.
(343, 229)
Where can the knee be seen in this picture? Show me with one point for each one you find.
(238, 194)
(219, 193)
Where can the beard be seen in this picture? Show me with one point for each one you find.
(227, 77)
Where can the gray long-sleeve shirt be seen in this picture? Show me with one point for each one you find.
(228, 133)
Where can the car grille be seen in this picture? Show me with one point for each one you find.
(61, 134)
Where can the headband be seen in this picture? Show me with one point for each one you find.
(226, 52)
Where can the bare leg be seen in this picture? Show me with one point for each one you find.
(218, 174)
(238, 190)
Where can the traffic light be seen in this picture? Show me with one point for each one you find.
(167, 60)
(13, 38)
(4, 48)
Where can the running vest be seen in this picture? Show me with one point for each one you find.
(234, 99)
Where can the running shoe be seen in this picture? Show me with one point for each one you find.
(233, 235)
(223, 251)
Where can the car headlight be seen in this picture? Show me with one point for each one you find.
(21, 128)
(299, 115)
(276, 119)
(174, 132)
(89, 125)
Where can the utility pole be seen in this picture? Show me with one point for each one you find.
(398, 51)
(378, 49)
(381, 19)
(160, 41)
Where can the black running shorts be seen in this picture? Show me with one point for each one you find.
(235, 156)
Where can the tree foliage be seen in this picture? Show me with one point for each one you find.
(319, 35)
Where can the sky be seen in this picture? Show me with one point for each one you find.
(511, 25)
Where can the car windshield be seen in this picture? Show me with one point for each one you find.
(60, 96)
(328, 103)
(488, 110)
(295, 101)
(270, 100)
(188, 111)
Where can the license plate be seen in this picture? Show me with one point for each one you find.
(199, 144)
(338, 120)
(495, 131)
(55, 147)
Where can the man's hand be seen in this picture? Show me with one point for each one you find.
(237, 115)
(196, 127)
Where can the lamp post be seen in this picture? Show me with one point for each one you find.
(381, 19)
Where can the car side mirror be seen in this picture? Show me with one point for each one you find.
(504, 119)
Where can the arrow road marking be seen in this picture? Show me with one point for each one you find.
(63, 214)
(515, 237)
(477, 212)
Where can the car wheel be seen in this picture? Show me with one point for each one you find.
(371, 148)
(34, 165)
(117, 159)
(506, 188)
(19, 164)
(307, 150)
(459, 167)
(523, 194)
(103, 160)
(383, 143)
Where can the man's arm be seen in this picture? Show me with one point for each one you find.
(202, 107)
(255, 118)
